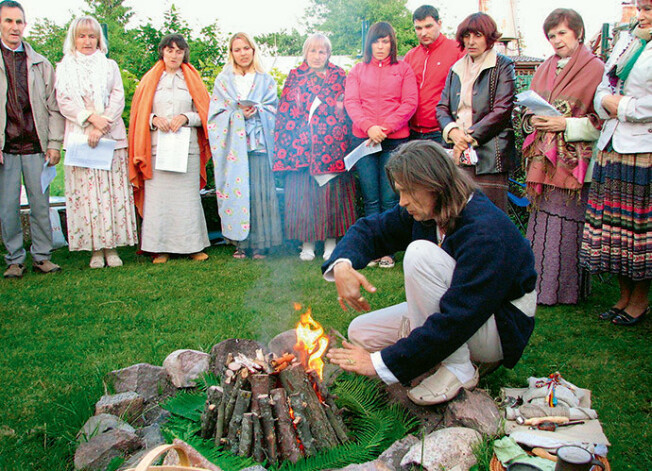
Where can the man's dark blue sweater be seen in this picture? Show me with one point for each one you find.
(494, 265)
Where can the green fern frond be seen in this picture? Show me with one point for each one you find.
(185, 404)
(206, 380)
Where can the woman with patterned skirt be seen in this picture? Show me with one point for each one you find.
(558, 152)
(618, 231)
(311, 141)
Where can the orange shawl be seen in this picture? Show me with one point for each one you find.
(140, 141)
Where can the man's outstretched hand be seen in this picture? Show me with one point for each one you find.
(348, 282)
(352, 358)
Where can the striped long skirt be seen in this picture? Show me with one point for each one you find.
(618, 231)
(314, 212)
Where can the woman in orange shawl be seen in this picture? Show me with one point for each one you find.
(169, 97)
(558, 153)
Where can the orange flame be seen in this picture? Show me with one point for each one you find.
(311, 342)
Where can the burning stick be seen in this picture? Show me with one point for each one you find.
(287, 438)
(302, 425)
(282, 362)
(295, 380)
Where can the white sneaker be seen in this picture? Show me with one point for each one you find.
(440, 387)
(329, 246)
(307, 255)
(307, 252)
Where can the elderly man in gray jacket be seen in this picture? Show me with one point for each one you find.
(32, 133)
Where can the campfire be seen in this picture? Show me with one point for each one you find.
(276, 407)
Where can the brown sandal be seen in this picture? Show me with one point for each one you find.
(239, 254)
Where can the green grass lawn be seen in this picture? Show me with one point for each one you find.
(59, 335)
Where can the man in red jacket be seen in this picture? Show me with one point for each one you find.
(430, 60)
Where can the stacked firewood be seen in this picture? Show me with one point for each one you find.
(273, 409)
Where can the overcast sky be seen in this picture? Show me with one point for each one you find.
(265, 16)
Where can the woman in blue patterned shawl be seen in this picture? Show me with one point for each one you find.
(241, 132)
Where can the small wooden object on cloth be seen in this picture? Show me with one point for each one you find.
(184, 463)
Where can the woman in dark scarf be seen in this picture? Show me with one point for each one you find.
(311, 141)
(558, 152)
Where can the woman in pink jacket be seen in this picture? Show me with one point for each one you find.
(380, 97)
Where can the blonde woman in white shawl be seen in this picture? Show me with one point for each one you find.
(99, 203)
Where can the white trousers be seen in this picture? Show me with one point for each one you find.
(428, 275)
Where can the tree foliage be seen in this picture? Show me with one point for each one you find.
(284, 42)
(343, 20)
(135, 49)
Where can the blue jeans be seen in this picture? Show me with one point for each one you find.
(377, 193)
(430, 136)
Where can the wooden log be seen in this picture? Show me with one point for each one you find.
(302, 425)
(260, 385)
(295, 380)
(287, 439)
(247, 434)
(258, 452)
(233, 397)
(335, 419)
(267, 422)
(219, 423)
(209, 415)
(241, 406)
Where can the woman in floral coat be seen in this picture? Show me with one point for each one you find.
(241, 125)
(311, 141)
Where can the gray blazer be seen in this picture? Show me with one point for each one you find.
(631, 131)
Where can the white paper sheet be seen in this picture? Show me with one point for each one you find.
(47, 176)
(356, 154)
(315, 104)
(172, 150)
(80, 154)
(324, 178)
(533, 101)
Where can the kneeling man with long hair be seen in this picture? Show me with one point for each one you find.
(469, 281)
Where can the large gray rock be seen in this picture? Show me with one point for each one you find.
(151, 436)
(220, 352)
(151, 382)
(101, 423)
(431, 417)
(283, 343)
(97, 453)
(185, 366)
(155, 415)
(449, 448)
(473, 409)
(127, 406)
(394, 454)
